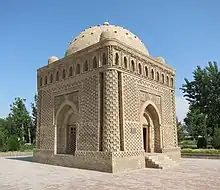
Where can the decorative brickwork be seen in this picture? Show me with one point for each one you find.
(106, 104)
(111, 131)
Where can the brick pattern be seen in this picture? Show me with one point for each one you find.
(83, 91)
(174, 119)
(89, 99)
(156, 99)
(127, 154)
(168, 120)
(111, 132)
(47, 141)
(88, 137)
(38, 137)
(131, 101)
(133, 136)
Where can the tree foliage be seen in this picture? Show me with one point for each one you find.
(19, 127)
(19, 120)
(216, 139)
(180, 131)
(203, 95)
(34, 119)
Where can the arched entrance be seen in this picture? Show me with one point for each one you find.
(66, 129)
(150, 121)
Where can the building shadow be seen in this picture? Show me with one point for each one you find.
(22, 158)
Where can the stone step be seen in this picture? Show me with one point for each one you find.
(161, 161)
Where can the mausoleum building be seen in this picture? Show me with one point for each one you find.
(107, 105)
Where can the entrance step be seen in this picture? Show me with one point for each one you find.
(158, 160)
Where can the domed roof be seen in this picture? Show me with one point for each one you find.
(52, 59)
(97, 33)
(161, 59)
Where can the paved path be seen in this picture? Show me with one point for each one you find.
(190, 174)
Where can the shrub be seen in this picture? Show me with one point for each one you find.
(216, 139)
(26, 147)
(188, 144)
(4, 148)
(13, 144)
(201, 151)
(201, 143)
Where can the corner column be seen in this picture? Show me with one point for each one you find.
(111, 129)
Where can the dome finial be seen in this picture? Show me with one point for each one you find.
(106, 23)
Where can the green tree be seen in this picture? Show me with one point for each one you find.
(216, 139)
(180, 131)
(195, 123)
(19, 120)
(34, 119)
(203, 94)
(3, 132)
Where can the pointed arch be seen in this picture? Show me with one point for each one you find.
(145, 105)
(65, 103)
(150, 113)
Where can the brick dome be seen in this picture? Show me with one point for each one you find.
(94, 34)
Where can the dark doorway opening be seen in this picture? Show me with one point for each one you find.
(145, 138)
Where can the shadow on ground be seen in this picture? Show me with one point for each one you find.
(22, 158)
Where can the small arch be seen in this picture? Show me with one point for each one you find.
(51, 78)
(104, 60)
(64, 73)
(152, 73)
(116, 59)
(146, 71)
(125, 62)
(41, 81)
(132, 65)
(77, 69)
(158, 76)
(57, 76)
(139, 69)
(168, 82)
(163, 78)
(94, 63)
(172, 82)
(70, 71)
(45, 80)
(85, 66)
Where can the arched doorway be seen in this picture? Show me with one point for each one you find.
(66, 130)
(150, 121)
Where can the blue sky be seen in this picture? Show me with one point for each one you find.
(186, 33)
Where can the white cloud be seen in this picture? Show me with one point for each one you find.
(182, 107)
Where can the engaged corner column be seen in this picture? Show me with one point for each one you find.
(111, 131)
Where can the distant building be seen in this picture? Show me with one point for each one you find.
(107, 105)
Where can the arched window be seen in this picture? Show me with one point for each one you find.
(168, 80)
(152, 73)
(77, 69)
(162, 78)
(104, 60)
(85, 66)
(116, 59)
(125, 62)
(146, 71)
(64, 73)
(171, 81)
(70, 72)
(41, 81)
(132, 65)
(94, 63)
(158, 76)
(139, 69)
(57, 76)
(45, 80)
(51, 78)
